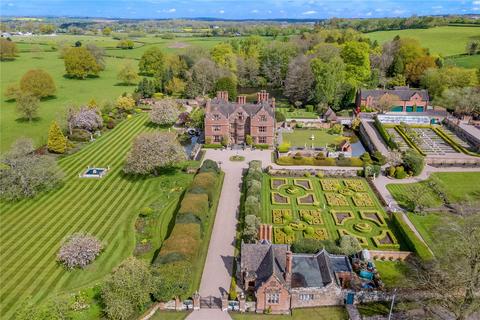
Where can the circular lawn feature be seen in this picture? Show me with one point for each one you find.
(363, 227)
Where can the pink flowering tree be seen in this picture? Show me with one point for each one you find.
(84, 118)
(79, 250)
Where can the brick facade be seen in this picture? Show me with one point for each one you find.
(410, 100)
(236, 120)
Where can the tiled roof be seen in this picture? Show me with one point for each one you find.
(227, 107)
(404, 93)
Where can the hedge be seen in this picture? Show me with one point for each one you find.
(408, 140)
(213, 146)
(386, 137)
(184, 240)
(204, 182)
(310, 161)
(413, 242)
(196, 204)
(453, 144)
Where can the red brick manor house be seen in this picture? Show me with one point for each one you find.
(237, 120)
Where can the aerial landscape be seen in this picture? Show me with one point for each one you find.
(239, 160)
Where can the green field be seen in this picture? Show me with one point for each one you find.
(334, 218)
(323, 313)
(446, 41)
(69, 92)
(32, 230)
(464, 61)
(300, 137)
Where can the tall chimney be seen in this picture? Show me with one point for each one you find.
(242, 99)
(288, 267)
(273, 102)
(222, 95)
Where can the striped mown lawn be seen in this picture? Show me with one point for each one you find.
(32, 230)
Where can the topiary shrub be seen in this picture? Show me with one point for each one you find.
(206, 181)
(391, 171)
(79, 135)
(209, 166)
(288, 230)
(146, 211)
(400, 173)
(252, 206)
(309, 231)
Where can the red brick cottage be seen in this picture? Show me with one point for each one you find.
(236, 120)
(410, 100)
(281, 280)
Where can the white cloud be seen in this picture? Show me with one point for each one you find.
(269, 11)
(254, 11)
(476, 8)
(476, 2)
(399, 11)
(378, 10)
(437, 7)
(221, 11)
(309, 12)
(10, 4)
(368, 14)
(172, 10)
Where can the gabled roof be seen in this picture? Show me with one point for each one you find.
(264, 259)
(227, 107)
(404, 93)
(330, 115)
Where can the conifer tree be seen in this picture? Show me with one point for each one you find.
(56, 140)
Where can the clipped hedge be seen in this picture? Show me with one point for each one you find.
(196, 204)
(310, 161)
(184, 241)
(413, 242)
(386, 137)
(204, 182)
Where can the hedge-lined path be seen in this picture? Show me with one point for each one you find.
(217, 272)
(31, 230)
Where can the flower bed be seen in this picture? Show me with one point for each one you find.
(277, 198)
(309, 198)
(304, 183)
(319, 234)
(363, 227)
(341, 216)
(386, 240)
(363, 200)
(346, 192)
(311, 216)
(281, 237)
(375, 216)
(356, 185)
(298, 225)
(363, 241)
(335, 199)
(276, 183)
(281, 216)
(330, 184)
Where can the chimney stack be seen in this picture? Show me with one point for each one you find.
(262, 96)
(242, 99)
(222, 95)
(273, 102)
(288, 267)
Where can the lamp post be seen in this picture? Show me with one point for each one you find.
(391, 306)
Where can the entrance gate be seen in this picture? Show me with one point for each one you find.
(210, 302)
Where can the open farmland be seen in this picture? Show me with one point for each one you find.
(32, 229)
(446, 41)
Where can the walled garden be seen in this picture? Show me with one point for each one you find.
(322, 209)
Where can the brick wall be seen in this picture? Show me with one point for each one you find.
(272, 286)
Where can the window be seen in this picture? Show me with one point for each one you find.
(240, 115)
(305, 297)
(262, 139)
(262, 129)
(216, 117)
(263, 118)
(273, 298)
(217, 138)
(216, 128)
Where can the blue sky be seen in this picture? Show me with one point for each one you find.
(239, 9)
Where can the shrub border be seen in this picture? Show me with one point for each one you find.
(383, 234)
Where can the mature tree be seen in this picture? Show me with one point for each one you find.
(27, 105)
(357, 61)
(224, 56)
(454, 277)
(386, 102)
(127, 290)
(153, 151)
(437, 80)
(8, 49)
(164, 112)
(57, 142)
(175, 86)
(197, 119)
(172, 280)
(413, 161)
(473, 47)
(128, 74)
(274, 60)
(152, 62)
(202, 78)
(85, 118)
(107, 31)
(299, 83)
(326, 51)
(12, 91)
(349, 245)
(250, 231)
(409, 50)
(125, 103)
(415, 70)
(146, 88)
(228, 84)
(329, 81)
(98, 54)
(79, 250)
(125, 44)
(38, 82)
(80, 63)
(247, 71)
(57, 308)
(462, 100)
(23, 174)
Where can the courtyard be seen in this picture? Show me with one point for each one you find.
(325, 209)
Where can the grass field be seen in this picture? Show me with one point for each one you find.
(394, 274)
(464, 61)
(298, 113)
(447, 41)
(323, 313)
(69, 92)
(32, 230)
(331, 220)
(300, 137)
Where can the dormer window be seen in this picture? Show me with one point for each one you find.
(263, 118)
(216, 117)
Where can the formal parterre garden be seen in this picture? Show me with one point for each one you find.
(309, 207)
